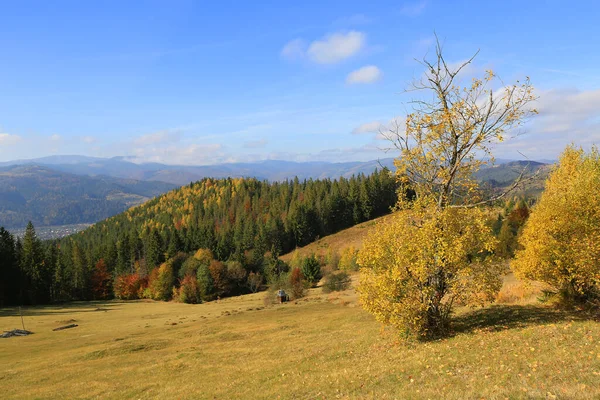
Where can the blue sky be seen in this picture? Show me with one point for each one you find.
(198, 82)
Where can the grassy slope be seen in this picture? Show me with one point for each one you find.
(353, 236)
(324, 346)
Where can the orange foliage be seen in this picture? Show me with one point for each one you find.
(101, 281)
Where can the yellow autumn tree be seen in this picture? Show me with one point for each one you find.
(435, 250)
(561, 239)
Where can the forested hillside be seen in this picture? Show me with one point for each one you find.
(48, 197)
(242, 221)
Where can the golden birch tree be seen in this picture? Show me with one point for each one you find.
(435, 251)
(561, 239)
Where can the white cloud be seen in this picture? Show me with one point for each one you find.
(164, 136)
(336, 47)
(8, 139)
(369, 127)
(368, 74)
(396, 124)
(55, 138)
(413, 9)
(294, 49)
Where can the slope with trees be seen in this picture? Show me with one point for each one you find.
(239, 225)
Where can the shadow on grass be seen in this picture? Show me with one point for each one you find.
(502, 317)
(58, 309)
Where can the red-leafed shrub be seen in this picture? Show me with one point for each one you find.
(129, 286)
(297, 283)
(101, 281)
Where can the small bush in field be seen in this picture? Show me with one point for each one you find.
(332, 260)
(336, 282)
(348, 259)
(297, 283)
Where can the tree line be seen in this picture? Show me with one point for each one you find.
(244, 224)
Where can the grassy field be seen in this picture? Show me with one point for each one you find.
(324, 346)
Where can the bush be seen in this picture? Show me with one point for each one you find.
(188, 291)
(332, 259)
(218, 272)
(236, 274)
(561, 238)
(311, 270)
(348, 259)
(254, 281)
(297, 283)
(101, 281)
(160, 282)
(336, 282)
(129, 286)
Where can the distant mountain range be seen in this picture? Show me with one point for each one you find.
(61, 190)
(272, 170)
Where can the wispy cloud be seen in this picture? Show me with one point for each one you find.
(330, 49)
(336, 47)
(294, 49)
(7, 139)
(368, 74)
(368, 127)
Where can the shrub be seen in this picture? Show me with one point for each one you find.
(332, 259)
(336, 282)
(297, 283)
(188, 291)
(311, 270)
(348, 259)
(218, 272)
(254, 281)
(129, 286)
(101, 281)
(236, 274)
(160, 282)
(561, 239)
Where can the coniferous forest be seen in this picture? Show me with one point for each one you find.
(211, 238)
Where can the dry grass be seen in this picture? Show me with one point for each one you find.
(353, 236)
(323, 346)
(516, 292)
